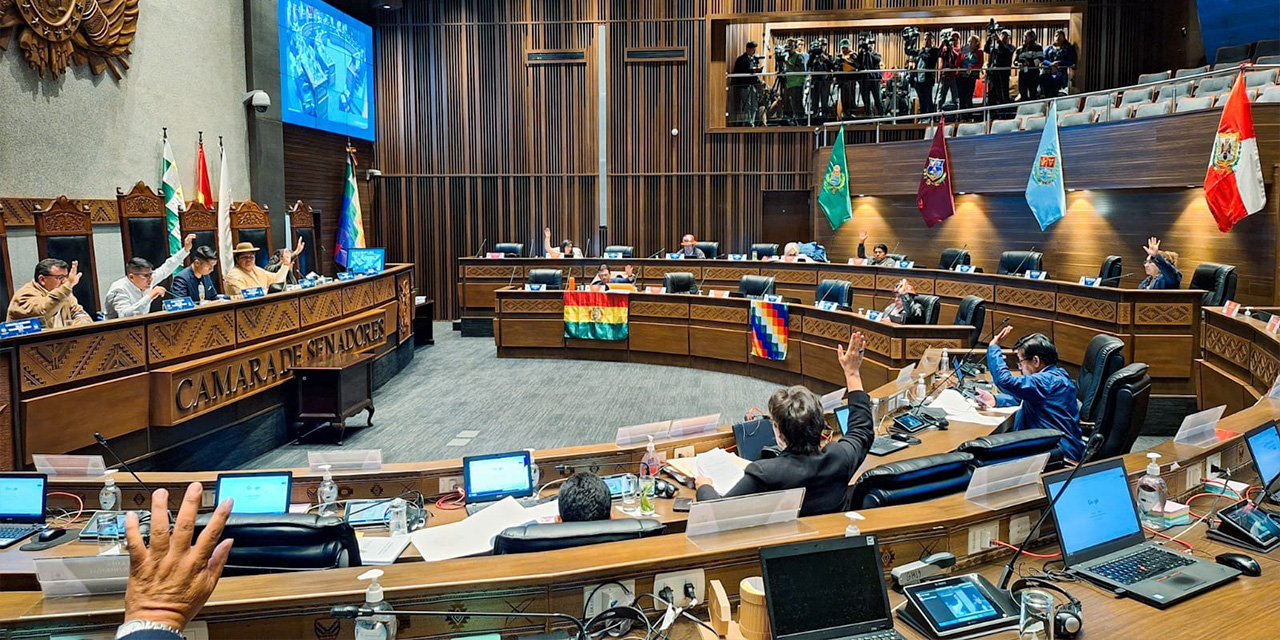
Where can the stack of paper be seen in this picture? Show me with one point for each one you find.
(724, 468)
(473, 536)
(963, 409)
(1174, 514)
(382, 550)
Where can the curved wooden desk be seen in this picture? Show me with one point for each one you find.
(152, 382)
(1241, 360)
(1160, 328)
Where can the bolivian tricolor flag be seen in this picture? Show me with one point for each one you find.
(769, 330)
(592, 315)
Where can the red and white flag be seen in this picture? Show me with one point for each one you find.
(1233, 185)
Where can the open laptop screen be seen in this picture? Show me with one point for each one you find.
(260, 493)
(497, 476)
(1096, 509)
(22, 498)
(825, 589)
(1264, 446)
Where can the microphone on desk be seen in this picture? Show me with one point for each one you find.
(656, 253)
(1018, 269)
(103, 442)
(959, 255)
(512, 280)
(352, 612)
(894, 250)
(480, 251)
(1106, 280)
(917, 408)
(1007, 575)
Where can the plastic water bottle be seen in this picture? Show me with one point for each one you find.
(377, 626)
(398, 517)
(876, 415)
(110, 523)
(944, 367)
(328, 493)
(649, 466)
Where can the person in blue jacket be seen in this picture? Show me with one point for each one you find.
(196, 281)
(1161, 267)
(1046, 391)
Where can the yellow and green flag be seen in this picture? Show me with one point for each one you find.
(595, 315)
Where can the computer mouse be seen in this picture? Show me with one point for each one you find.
(1240, 562)
(50, 534)
(902, 437)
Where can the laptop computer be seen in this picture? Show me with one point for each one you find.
(1264, 449)
(22, 503)
(827, 589)
(1103, 541)
(880, 446)
(490, 478)
(261, 493)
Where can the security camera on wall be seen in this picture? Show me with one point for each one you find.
(258, 99)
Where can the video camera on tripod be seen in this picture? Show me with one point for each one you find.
(910, 36)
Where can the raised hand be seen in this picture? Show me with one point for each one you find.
(862, 237)
(1153, 247)
(629, 271)
(73, 276)
(188, 241)
(1004, 333)
(546, 233)
(851, 356)
(986, 398)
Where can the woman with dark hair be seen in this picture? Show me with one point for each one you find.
(566, 250)
(798, 425)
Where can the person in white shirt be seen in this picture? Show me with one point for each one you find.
(566, 250)
(132, 294)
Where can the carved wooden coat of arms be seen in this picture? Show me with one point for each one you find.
(54, 34)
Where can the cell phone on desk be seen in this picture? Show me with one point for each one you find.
(682, 505)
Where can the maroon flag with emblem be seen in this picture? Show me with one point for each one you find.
(934, 197)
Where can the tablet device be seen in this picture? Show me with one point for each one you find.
(256, 493)
(957, 606)
(909, 423)
(618, 482)
(1250, 524)
(368, 513)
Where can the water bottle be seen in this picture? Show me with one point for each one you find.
(649, 466)
(944, 368)
(328, 493)
(377, 626)
(109, 519)
(922, 391)
(876, 415)
(398, 517)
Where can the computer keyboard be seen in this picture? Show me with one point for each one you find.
(10, 533)
(888, 634)
(1141, 565)
(531, 501)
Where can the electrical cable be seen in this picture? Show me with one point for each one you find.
(1167, 537)
(543, 488)
(598, 588)
(453, 501)
(79, 502)
(1041, 556)
(658, 600)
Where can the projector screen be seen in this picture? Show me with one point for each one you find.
(326, 69)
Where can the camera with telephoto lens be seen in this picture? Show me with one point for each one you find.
(909, 36)
(993, 27)
(862, 43)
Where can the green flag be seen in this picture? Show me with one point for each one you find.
(834, 196)
(171, 191)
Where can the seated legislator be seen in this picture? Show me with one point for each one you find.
(903, 306)
(566, 250)
(798, 425)
(132, 295)
(1161, 267)
(1046, 391)
(196, 281)
(247, 275)
(605, 276)
(791, 253)
(277, 263)
(689, 247)
(49, 297)
(584, 497)
(879, 254)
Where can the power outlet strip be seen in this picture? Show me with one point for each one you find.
(980, 536)
(447, 483)
(607, 595)
(677, 580)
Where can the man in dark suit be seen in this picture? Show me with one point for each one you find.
(196, 281)
(824, 472)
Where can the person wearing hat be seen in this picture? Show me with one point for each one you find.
(132, 295)
(846, 63)
(247, 275)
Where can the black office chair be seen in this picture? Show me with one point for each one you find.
(913, 480)
(837, 291)
(564, 535)
(925, 309)
(709, 249)
(512, 249)
(1110, 271)
(1016, 263)
(1103, 357)
(763, 249)
(972, 311)
(896, 257)
(952, 258)
(1003, 447)
(286, 542)
(1266, 48)
(1231, 54)
(553, 278)
(626, 250)
(680, 282)
(755, 286)
(1125, 397)
(1217, 280)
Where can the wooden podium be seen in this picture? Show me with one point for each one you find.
(332, 389)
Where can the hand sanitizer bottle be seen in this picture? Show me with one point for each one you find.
(922, 391)
(110, 521)
(1152, 492)
(376, 627)
(328, 493)
(852, 529)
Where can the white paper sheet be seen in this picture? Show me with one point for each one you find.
(961, 408)
(546, 512)
(720, 466)
(382, 550)
(472, 536)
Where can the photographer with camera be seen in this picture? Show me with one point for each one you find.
(820, 64)
(846, 81)
(926, 60)
(1027, 59)
(745, 90)
(869, 83)
(949, 54)
(791, 65)
(1001, 58)
(1059, 61)
(971, 59)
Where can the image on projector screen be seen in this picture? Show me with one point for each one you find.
(326, 69)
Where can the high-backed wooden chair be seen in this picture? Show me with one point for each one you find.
(203, 222)
(65, 231)
(304, 223)
(251, 223)
(6, 278)
(143, 229)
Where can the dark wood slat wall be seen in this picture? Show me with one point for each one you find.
(475, 144)
(315, 165)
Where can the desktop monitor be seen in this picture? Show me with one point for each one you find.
(265, 493)
(498, 475)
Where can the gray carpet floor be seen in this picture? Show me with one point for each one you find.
(458, 398)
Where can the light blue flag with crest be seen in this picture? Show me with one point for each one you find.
(1046, 191)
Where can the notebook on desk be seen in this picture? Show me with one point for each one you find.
(1103, 541)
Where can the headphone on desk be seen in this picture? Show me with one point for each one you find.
(1068, 617)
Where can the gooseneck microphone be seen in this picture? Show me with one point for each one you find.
(1018, 269)
(103, 442)
(480, 251)
(512, 280)
(916, 406)
(656, 253)
(959, 255)
(351, 612)
(1106, 280)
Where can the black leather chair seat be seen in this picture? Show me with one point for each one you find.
(286, 542)
(1124, 398)
(1103, 357)
(1019, 262)
(755, 286)
(514, 249)
(563, 535)
(837, 291)
(1003, 447)
(710, 249)
(626, 250)
(952, 258)
(1217, 280)
(763, 249)
(926, 309)
(553, 278)
(913, 480)
(680, 282)
(972, 311)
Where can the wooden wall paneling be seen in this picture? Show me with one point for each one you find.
(315, 164)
